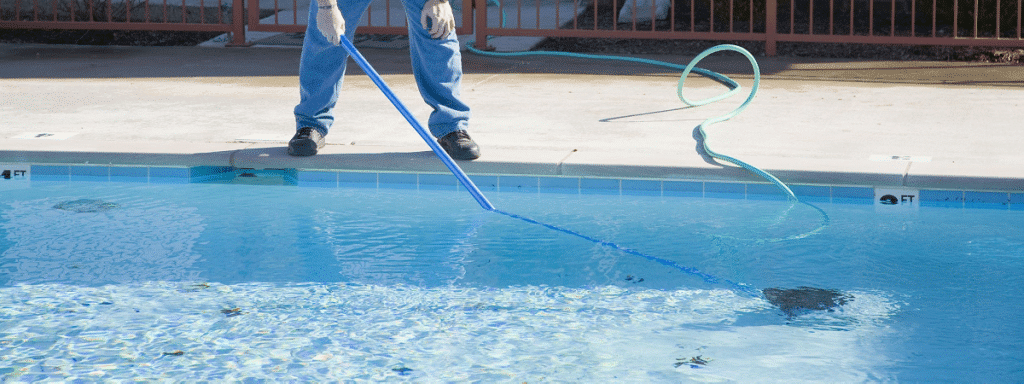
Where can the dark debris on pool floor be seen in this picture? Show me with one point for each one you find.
(796, 301)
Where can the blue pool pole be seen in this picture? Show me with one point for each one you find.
(447, 160)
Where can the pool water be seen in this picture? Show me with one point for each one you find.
(232, 282)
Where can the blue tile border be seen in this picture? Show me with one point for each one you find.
(1002, 198)
(641, 187)
(601, 186)
(167, 175)
(443, 182)
(682, 188)
(518, 183)
(129, 174)
(398, 180)
(569, 185)
(722, 190)
(355, 179)
(50, 173)
(1016, 198)
(765, 192)
(483, 183)
(89, 173)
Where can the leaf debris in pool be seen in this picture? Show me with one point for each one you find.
(694, 362)
(402, 370)
(86, 206)
(231, 312)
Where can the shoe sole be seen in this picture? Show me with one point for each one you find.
(308, 148)
(473, 155)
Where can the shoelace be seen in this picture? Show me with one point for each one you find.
(461, 136)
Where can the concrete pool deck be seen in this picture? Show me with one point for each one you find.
(867, 123)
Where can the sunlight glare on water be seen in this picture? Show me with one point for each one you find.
(228, 282)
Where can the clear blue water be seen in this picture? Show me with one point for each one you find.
(233, 282)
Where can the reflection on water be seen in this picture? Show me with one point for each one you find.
(138, 241)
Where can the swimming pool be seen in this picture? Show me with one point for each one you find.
(201, 274)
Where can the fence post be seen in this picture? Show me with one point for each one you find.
(480, 26)
(238, 23)
(771, 26)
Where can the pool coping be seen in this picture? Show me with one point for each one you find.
(143, 107)
(901, 173)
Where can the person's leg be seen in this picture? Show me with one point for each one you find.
(322, 68)
(437, 66)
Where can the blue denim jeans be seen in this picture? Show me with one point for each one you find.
(436, 65)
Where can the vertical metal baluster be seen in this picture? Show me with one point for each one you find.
(956, 15)
(892, 18)
(975, 19)
(711, 21)
(369, 14)
(558, 8)
(615, 16)
(999, 19)
(654, 14)
(852, 4)
(731, 15)
(831, 17)
(693, 17)
(871, 17)
(575, 11)
(810, 17)
(537, 2)
(913, 17)
(792, 16)
(519, 14)
(935, 15)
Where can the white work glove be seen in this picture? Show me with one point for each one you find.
(329, 21)
(440, 12)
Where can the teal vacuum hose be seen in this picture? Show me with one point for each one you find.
(485, 204)
(734, 87)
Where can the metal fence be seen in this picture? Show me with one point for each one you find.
(157, 15)
(912, 22)
(381, 17)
